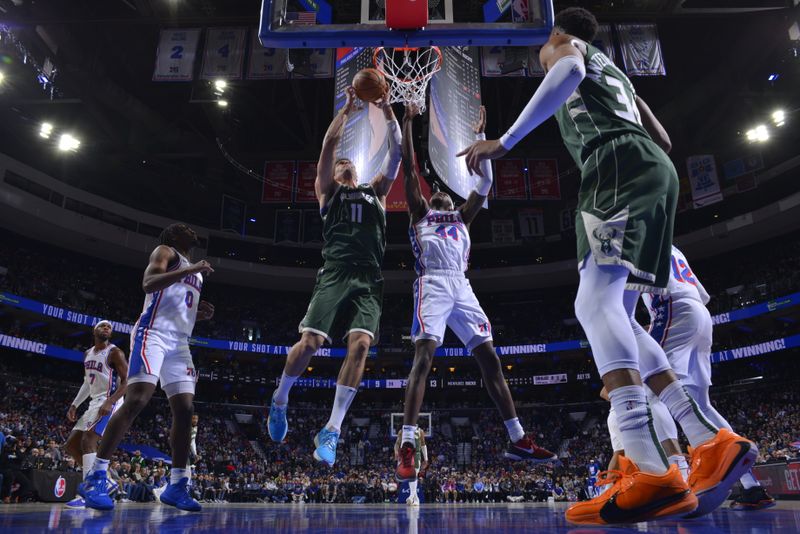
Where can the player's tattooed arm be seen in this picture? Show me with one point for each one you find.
(120, 365)
(324, 185)
(417, 205)
(156, 276)
(653, 126)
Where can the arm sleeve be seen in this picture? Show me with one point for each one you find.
(391, 163)
(82, 395)
(559, 83)
(484, 182)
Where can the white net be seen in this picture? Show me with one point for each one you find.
(409, 70)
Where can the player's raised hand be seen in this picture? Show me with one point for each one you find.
(479, 126)
(205, 310)
(202, 266)
(411, 111)
(72, 413)
(350, 103)
(479, 151)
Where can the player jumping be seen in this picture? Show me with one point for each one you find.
(160, 353)
(624, 222)
(444, 298)
(105, 379)
(349, 286)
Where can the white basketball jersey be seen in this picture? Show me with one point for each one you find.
(174, 308)
(440, 242)
(102, 378)
(683, 283)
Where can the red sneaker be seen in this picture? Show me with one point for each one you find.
(406, 470)
(525, 449)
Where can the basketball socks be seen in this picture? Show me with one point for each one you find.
(697, 428)
(341, 403)
(636, 427)
(662, 421)
(515, 431)
(412, 487)
(749, 481)
(408, 434)
(680, 462)
(281, 395)
(176, 474)
(100, 465)
(88, 463)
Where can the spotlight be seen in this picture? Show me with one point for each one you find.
(758, 134)
(252, 219)
(220, 85)
(779, 117)
(68, 143)
(222, 103)
(774, 76)
(46, 130)
(2, 77)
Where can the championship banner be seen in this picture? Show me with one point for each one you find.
(265, 63)
(605, 42)
(175, 55)
(543, 177)
(641, 49)
(455, 99)
(703, 180)
(531, 222)
(223, 55)
(306, 176)
(509, 179)
(278, 181)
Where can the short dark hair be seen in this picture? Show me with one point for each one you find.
(169, 235)
(578, 22)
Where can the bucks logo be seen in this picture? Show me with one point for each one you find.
(605, 239)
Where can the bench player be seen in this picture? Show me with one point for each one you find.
(160, 353)
(349, 286)
(444, 298)
(624, 223)
(105, 379)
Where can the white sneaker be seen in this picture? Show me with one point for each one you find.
(413, 500)
(158, 491)
(76, 504)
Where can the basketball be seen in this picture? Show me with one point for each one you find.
(370, 85)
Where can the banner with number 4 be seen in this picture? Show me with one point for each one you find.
(175, 55)
(224, 53)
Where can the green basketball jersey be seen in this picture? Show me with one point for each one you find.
(419, 442)
(602, 108)
(354, 228)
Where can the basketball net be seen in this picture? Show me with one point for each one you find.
(409, 70)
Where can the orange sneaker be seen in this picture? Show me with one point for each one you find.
(635, 496)
(716, 466)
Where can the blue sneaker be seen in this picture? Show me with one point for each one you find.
(276, 422)
(76, 504)
(94, 491)
(326, 442)
(177, 495)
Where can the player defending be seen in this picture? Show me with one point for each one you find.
(420, 461)
(349, 286)
(444, 298)
(104, 381)
(160, 353)
(626, 204)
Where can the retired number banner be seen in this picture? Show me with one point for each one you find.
(175, 55)
(704, 180)
(224, 53)
(543, 175)
(278, 181)
(509, 179)
(306, 176)
(641, 49)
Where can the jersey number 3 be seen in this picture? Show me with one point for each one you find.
(624, 97)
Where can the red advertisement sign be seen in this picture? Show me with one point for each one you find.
(278, 181)
(544, 179)
(306, 176)
(779, 479)
(509, 179)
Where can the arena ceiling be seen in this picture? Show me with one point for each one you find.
(154, 145)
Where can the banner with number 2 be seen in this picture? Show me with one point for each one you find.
(175, 55)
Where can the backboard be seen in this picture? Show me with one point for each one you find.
(352, 23)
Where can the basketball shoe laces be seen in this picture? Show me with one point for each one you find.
(330, 440)
(612, 476)
(406, 456)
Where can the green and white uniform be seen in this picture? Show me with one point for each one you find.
(349, 290)
(629, 186)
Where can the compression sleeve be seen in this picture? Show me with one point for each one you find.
(82, 395)
(391, 163)
(484, 182)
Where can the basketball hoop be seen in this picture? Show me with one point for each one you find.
(409, 70)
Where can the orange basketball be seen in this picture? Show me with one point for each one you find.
(370, 85)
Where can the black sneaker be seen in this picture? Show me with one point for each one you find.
(755, 498)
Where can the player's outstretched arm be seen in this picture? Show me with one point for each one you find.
(120, 365)
(324, 185)
(417, 205)
(563, 62)
(156, 276)
(474, 203)
(382, 183)
(653, 126)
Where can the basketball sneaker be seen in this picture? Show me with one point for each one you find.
(94, 491)
(406, 470)
(413, 500)
(716, 466)
(158, 491)
(76, 504)
(634, 496)
(326, 442)
(525, 449)
(177, 495)
(276, 422)
(755, 498)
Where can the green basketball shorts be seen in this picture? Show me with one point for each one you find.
(626, 210)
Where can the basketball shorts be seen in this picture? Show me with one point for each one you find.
(158, 356)
(345, 299)
(626, 210)
(684, 330)
(445, 299)
(91, 420)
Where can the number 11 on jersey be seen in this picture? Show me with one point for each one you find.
(356, 212)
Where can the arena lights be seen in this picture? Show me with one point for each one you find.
(68, 143)
(46, 130)
(2, 77)
(773, 77)
(758, 134)
(222, 103)
(779, 117)
(220, 86)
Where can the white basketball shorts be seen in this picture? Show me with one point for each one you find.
(445, 299)
(686, 338)
(162, 357)
(91, 419)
